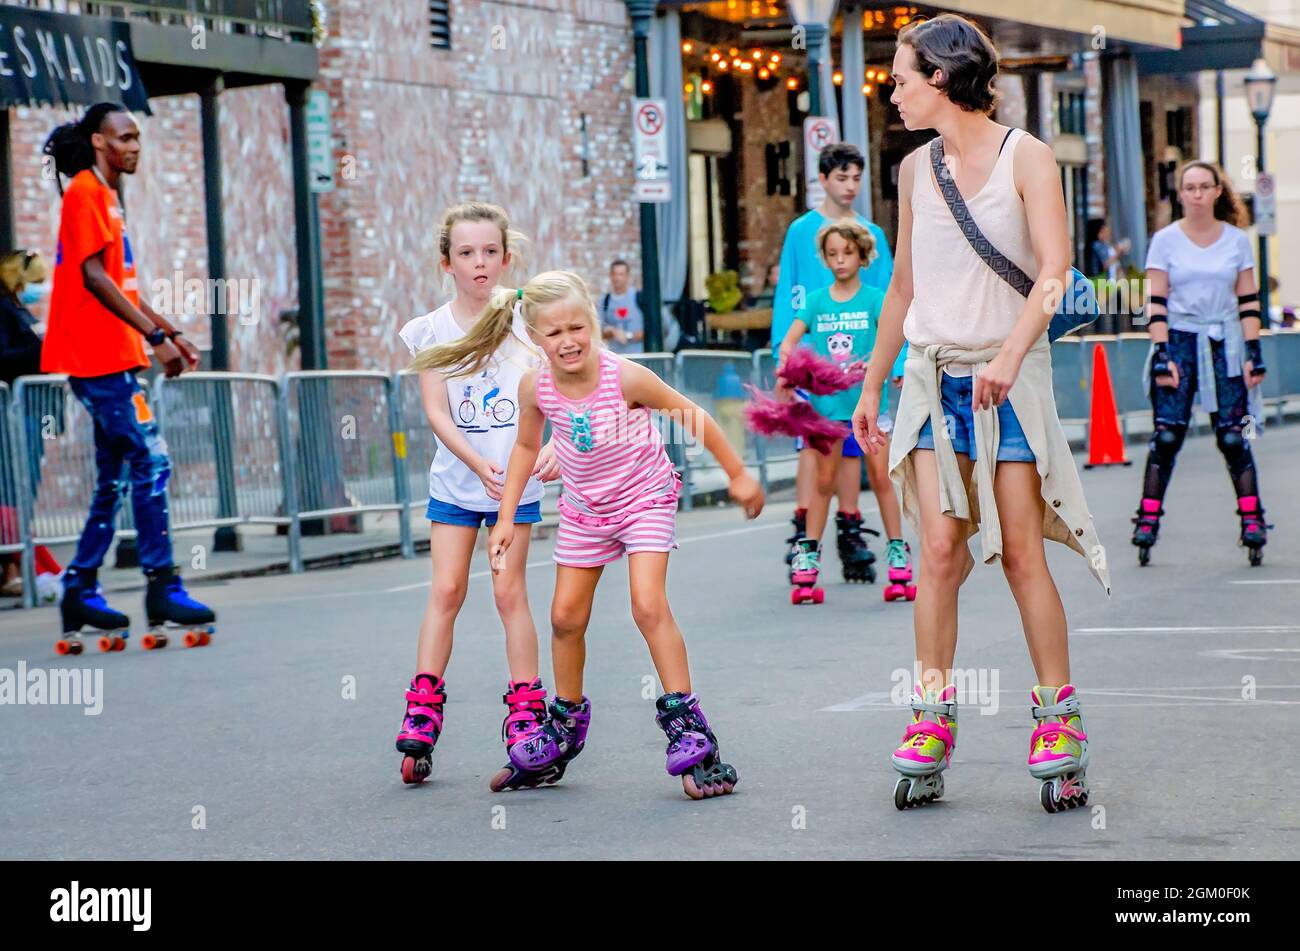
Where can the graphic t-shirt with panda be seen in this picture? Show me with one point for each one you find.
(844, 333)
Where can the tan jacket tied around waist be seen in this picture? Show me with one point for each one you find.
(1065, 514)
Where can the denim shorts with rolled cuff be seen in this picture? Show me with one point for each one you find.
(444, 513)
(955, 394)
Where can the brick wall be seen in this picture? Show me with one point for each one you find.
(765, 118)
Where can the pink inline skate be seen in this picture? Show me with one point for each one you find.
(421, 726)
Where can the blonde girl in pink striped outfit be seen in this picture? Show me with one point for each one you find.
(620, 497)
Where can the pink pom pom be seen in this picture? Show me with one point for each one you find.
(805, 370)
(770, 417)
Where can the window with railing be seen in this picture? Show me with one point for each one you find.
(440, 24)
(1070, 116)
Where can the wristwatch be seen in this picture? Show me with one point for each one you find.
(156, 337)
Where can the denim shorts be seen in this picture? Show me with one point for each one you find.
(955, 394)
(444, 513)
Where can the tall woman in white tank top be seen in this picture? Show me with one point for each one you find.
(943, 294)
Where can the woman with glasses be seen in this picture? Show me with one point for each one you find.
(1203, 305)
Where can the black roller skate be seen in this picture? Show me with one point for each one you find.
(856, 559)
(693, 751)
(800, 523)
(1146, 528)
(170, 608)
(83, 605)
(1254, 530)
(527, 705)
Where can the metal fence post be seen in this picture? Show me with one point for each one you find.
(398, 444)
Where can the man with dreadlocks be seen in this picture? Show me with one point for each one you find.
(97, 329)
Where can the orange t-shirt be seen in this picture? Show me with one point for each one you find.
(84, 337)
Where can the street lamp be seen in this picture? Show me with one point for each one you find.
(1261, 84)
(815, 17)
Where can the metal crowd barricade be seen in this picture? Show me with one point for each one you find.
(414, 440)
(700, 375)
(56, 469)
(226, 446)
(342, 456)
(664, 366)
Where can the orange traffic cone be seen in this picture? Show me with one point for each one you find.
(1105, 444)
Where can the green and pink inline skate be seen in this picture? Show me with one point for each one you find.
(927, 747)
(803, 573)
(1058, 748)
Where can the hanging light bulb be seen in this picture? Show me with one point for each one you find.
(733, 52)
(866, 90)
(723, 66)
(757, 54)
(763, 72)
(837, 77)
(687, 46)
(792, 83)
(776, 57)
(715, 56)
(690, 88)
(706, 87)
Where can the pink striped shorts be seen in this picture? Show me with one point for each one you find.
(588, 541)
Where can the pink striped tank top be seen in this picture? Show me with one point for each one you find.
(612, 458)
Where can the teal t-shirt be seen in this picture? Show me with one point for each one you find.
(844, 333)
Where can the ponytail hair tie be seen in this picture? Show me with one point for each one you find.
(519, 294)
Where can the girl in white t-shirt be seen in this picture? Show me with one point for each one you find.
(1204, 324)
(475, 419)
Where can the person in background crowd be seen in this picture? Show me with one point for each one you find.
(622, 322)
(1106, 254)
(22, 274)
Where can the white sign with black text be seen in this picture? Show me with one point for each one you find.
(818, 132)
(650, 134)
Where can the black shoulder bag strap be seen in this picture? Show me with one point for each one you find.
(1003, 266)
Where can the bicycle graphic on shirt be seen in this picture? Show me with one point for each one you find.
(481, 400)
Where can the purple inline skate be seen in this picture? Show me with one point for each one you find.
(693, 751)
(556, 741)
(421, 726)
(526, 701)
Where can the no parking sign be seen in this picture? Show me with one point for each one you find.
(650, 134)
(818, 132)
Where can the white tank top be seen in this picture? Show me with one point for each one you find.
(484, 406)
(957, 298)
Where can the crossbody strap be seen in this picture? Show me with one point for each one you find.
(1002, 265)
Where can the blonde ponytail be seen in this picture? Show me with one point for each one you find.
(470, 353)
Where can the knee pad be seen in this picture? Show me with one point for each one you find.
(1166, 441)
(1233, 446)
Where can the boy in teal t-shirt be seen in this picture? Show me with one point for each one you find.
(841, 321)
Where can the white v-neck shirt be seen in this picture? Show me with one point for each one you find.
(1202, 281)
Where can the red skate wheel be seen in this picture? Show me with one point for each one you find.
(106, 644)
(62, 647)
(795, 596)
(911, 592)
(818, 595)
(205, 639)
(411, 775)
(193, 638)
(154, 641)
(119, 643)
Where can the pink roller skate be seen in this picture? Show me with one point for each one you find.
(421, 727)
(803, 574)
(899, 557)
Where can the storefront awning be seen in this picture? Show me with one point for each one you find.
(1216, 35)
(1154, 23)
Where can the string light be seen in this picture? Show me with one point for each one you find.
(792, 83)
(837, 77)
(723, 65)
(706, 87)
(687, 46)
(715, 56)
(776, 57)
(757, 54)
(690, 88)
(764, 72)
